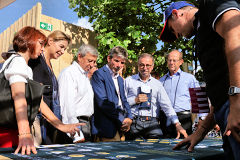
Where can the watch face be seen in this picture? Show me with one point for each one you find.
(233, 90)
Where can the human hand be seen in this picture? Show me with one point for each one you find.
(233, 125)
(26, 144)
(141, 98)
(180, 130)
(191, 140)
(71, 128)
(91, 71)
(126, 124)
(217, 128)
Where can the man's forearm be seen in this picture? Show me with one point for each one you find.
(209, 122)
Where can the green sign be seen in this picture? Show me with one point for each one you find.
(46, 26)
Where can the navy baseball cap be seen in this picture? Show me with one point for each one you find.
(166, 35)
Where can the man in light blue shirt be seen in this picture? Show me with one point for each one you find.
(146, 96)
(177, 84)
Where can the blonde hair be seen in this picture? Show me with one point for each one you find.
(59, 35)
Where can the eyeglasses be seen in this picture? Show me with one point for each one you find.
(41, 42)
(173, 60)
(143, 65)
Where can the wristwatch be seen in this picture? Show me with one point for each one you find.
(233, 90)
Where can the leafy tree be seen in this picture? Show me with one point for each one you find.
(133, 24)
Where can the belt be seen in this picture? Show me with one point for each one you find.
(184, 112)
(145, 118)
(86, 118)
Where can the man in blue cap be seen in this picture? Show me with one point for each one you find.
(216, 26)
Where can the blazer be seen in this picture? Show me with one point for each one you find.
(108, 116)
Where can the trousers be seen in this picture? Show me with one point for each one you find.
(145, 128)
(230, 145)
(186, 121)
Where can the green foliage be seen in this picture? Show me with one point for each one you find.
(199, 76)
(74, 52)
(133, 24)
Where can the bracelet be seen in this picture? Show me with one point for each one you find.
(23, 134)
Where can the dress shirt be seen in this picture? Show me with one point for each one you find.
(115, 81)
(75, 93)
(177, 87)
(159, 98)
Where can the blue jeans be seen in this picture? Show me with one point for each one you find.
(230, 145)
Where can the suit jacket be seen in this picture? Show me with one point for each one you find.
(108, 117)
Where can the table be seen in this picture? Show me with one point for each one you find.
(154, 149)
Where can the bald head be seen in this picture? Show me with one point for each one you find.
(174, 61)
(175, 52)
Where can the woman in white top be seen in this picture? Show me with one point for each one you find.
(29, 43)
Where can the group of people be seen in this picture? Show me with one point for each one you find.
(98, 107)
(29, 43)
(92, 107)
(115, 109)
(104, 107)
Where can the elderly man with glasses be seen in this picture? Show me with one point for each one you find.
(177, 84)
(146, 96)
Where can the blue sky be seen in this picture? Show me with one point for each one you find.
(53, 8)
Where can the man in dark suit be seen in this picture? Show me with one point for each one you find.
(112, 114)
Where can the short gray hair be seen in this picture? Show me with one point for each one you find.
(146, 55)
(118, 51)
(87, 48)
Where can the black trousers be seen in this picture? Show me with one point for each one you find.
(86, 129)
(186, 122)
(144, 128)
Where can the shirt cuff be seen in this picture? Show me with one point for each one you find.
(131, 101)
(174, 119)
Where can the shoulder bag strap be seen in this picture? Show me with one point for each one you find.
(17, 55)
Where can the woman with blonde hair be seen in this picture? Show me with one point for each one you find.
(57, 43)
